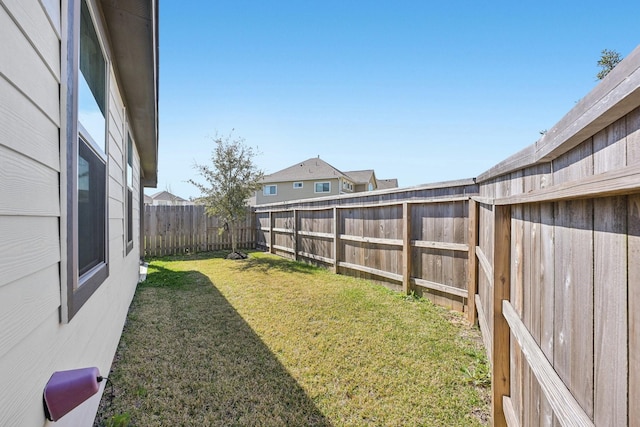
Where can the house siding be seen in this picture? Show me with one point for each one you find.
(287, 192)
(33, 341)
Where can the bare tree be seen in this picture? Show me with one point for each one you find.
(231, 178)
(607, 62)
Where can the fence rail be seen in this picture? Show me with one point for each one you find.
(173, 230)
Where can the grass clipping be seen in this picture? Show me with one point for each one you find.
(271, 342)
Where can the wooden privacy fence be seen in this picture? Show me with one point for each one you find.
(550, 239)
(172, 230)
(415, 243)
(558, 277)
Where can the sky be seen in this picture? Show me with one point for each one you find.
(421, 91)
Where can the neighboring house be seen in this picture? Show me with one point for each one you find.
(79, 140)
(313, 178)
(164, 198)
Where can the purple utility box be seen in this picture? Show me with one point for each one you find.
(68, 389)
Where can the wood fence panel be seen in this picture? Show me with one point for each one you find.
(262, 229)
(171, 230)
(575, 164)
(460, 259)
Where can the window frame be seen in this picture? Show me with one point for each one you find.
(76, 288)
(128, 192)
(274, 186)
(297, 187)
(315, 187)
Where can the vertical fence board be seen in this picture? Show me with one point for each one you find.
(634, 308)
(573, 338)
(547, 298)
(610, 304)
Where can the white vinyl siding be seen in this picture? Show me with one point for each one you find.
(32, 256)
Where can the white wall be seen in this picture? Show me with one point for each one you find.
(33, 341)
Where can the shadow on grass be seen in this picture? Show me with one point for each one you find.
(261, 264)
(187, 357)
(285, 265)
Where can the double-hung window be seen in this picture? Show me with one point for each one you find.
(87, 250)
(129, 191)
(322, 187)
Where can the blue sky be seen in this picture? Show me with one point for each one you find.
(421, 91)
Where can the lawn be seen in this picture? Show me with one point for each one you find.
(271, 342)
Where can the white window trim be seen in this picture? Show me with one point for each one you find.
(298, 187)
(315, 187)
(264, 193)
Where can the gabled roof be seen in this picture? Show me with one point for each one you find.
(361, 177)
(314, 168)
(165, 195)
(387, 183)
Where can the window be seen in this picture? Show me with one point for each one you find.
(129, 193)
(297, 184)
(270, 190)
(323, 187)
(86, 221)
(91, 82)
(370, 187)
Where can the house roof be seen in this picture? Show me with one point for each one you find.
(165, 195)
(133, 30)
(384, 184)
(314, 168)
(361, 177)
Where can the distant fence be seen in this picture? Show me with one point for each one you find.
(173, 230)
(413, 239)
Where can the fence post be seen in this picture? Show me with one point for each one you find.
(272, 236)
(336, 240)
(500, 370)
(295, 234)
(472, 266)
(406, 248)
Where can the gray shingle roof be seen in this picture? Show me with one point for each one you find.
(314, 168)
(165, 195)
(361, 177)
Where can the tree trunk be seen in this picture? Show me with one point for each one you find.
(234, 243)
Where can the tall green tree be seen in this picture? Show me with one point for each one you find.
(607, 62)
(231, 179)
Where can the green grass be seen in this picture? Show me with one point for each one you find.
(270, 342)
